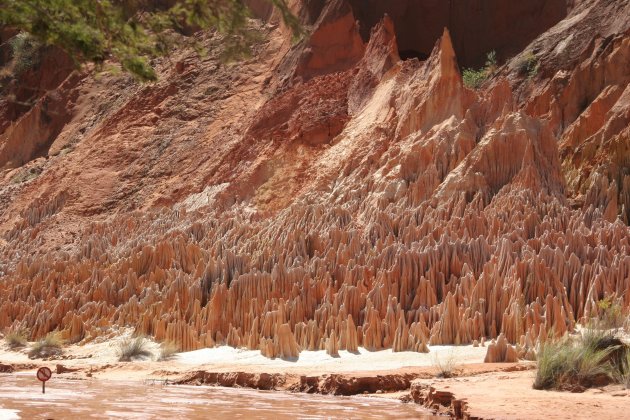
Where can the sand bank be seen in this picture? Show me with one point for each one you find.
(476, 390)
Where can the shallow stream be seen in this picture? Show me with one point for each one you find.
(21, 398)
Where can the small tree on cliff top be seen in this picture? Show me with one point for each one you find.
(129, 31)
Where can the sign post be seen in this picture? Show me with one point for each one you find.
(44, 374)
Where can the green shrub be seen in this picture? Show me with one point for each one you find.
(16, 339)
(26, 52)
(491, 62)
(473, 79)
(133, 348)
(528, 65)
(131, 32)
(596, 358)
(46, 347)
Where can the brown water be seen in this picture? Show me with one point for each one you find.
(21, 398)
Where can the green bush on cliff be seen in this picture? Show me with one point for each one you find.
(25, 50)
(528, 65)
(131, 32)
(473, 79)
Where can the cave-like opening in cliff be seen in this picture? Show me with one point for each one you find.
(476, 26)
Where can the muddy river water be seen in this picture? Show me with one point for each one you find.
(21, 398)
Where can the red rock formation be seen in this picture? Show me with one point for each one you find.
(500, 352)
(335, 44)
(350, 199)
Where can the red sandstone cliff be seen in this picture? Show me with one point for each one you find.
(329, 195)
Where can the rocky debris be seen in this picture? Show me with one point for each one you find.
(63, 369)
(362, 201)
(6, 368)
(345, 385)
(262, 381)
(441, 402)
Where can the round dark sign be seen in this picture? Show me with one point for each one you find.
(44, 374)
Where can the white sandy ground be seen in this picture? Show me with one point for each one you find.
(226, 358)
(346, 362)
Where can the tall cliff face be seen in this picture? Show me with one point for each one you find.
(477, 27)
(329, 195)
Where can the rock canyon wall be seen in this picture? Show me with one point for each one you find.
(327, 194)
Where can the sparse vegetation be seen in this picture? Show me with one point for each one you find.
(444, 367)
(25, 52)
(133, 348)
(16, 339)
(528, 65)
(596, 358)
(624, 373)
(131, 32)
(46, 347)
(567, 365)
(168, 350)
(474, 78)
(612, 315)
(25, 175)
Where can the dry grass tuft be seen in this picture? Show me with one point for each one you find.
(16, 339)
(445, 368)
(133, 348)
(168, 350)
(46, 347)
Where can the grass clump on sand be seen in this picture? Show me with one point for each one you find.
(16, 339)
(624, 374)
(168, 350)
(597, 358)
(133, 348)
(444, 367)
(46, 347)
